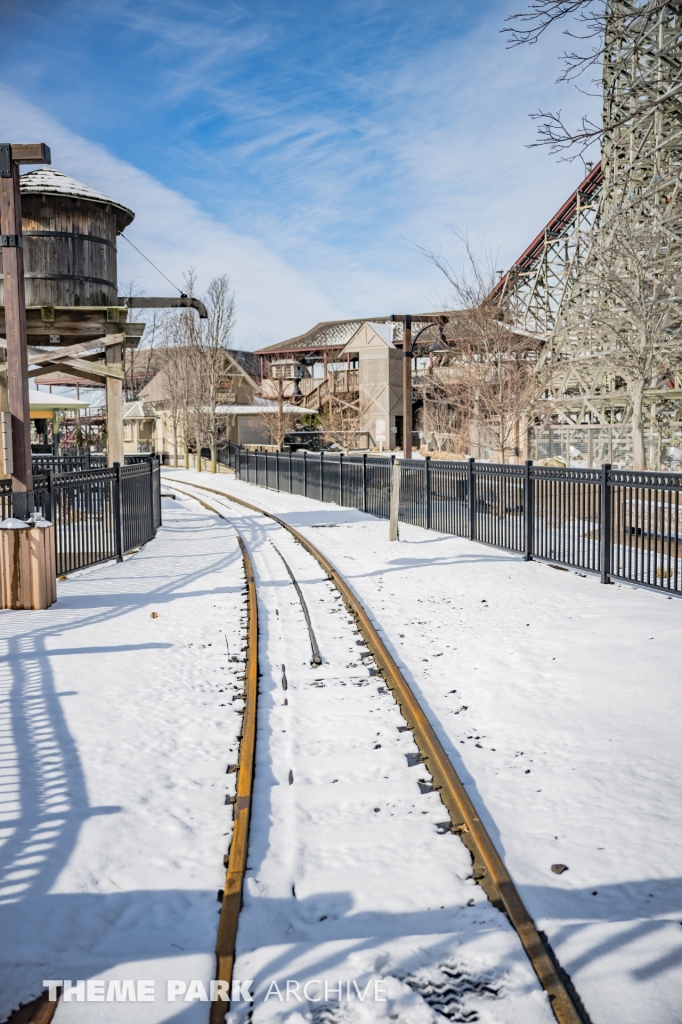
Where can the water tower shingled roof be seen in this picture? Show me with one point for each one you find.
(48, 181)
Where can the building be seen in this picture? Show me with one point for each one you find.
(148, 421)
(379, 384)
(353, 365)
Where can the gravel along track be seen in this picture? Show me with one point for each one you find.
(355, 883)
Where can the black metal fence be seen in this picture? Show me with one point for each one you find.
(99, 513)
(621, 524)
(45, 463)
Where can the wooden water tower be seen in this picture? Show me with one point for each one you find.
(70, 236)
(76, 323)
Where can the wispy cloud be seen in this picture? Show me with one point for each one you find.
(317, 142)
(272, 297)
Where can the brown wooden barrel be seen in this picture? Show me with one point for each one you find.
(69, 241)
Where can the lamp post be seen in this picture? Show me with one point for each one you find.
(12, 247)
(408, 348)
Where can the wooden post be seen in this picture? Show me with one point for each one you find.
(15, 318)
(114, 386)
(407, 388)
(12, 246)
(395, 500)
(28, 579)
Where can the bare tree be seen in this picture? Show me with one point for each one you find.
(632, 51)
(177, 376)
(197, 367)
(140, 363)
(276, 414)
(491, 367)
(210, 340)
(441, 419)
(627, 310)
(341, 422)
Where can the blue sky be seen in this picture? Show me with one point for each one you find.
(302, 148)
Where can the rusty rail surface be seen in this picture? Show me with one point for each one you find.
(488, 867)
(236, 859)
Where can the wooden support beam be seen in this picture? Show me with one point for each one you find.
(82, 367)
(15, 331)
(30, 153)
(49, 368)
(114, 357)
(39, 356)
(36, 357)
(60, 325)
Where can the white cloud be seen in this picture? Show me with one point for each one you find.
(324, 200)
(274, 300)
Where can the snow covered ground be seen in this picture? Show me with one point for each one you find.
(558, 700)
(359, 903)
(119, 722)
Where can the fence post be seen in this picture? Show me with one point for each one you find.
(321, 476)
(47, 511)
(50, 515)
(341, 479)
(277, 470)
(471, 498)
(427, 491)
(528, 511)
(605, 524)
(118, 517)
(305, 473)
(394, 507)
(152, 520)
(290, 485)
(87, 458)
(364, 482)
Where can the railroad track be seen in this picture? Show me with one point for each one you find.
(488, 867)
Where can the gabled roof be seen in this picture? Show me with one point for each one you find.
(382, 331)
(248, 361)
(332, 334)
(328, 334)
(138, 411)
(155, 390)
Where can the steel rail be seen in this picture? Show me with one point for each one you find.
(39, 1011)
(488, 867)
(237, 857)
(316, 658)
